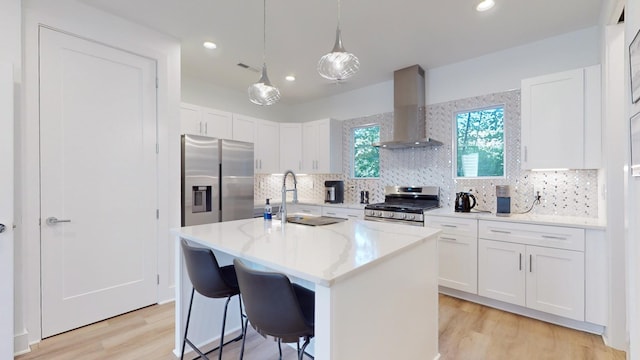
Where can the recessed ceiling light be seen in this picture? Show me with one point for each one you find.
(485, 5)
(209, 45)
(290, 78)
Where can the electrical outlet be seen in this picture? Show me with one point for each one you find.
(537, 191)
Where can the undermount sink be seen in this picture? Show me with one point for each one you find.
(314, 220)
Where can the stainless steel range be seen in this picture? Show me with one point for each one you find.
(404, 204)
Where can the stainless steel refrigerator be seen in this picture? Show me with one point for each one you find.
(217, 180)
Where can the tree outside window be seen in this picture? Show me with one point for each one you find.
(479, 146)
(366, 158)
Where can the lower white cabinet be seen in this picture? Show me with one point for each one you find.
(342, 212)
(457, 252)
(543, 278)
(315, 210)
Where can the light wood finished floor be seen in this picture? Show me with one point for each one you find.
(467, 331)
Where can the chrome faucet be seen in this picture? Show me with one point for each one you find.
(283, 206)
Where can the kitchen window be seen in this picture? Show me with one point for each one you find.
(365, 158)
(479, 143)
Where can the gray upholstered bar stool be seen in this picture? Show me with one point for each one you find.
(213, 281)
(276, 307)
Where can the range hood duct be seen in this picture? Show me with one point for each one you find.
(409, 115)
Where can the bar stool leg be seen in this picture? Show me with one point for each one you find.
(244, 337)
(224, 322)
(280, 349)
(186, 329)
(304, 346)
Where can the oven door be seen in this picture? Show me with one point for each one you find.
(396, 221)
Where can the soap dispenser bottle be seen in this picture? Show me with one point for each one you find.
(267, 211)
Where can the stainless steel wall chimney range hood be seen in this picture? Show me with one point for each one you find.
(409, 114)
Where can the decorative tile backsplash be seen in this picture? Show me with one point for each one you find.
(564, 193)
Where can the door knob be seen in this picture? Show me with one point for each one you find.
(2, 228)
(52, 220)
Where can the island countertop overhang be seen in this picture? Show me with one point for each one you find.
(321, 254)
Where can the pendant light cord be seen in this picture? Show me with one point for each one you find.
(264, 32)
(339, 6)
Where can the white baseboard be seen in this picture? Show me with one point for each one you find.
(21, 343)
(550, 318)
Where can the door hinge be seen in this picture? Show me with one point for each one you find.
(158, 279)
(157, 148)
(157, 213)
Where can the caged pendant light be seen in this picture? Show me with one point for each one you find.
(338, 64)
(262, 92)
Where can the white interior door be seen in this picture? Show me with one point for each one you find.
(98, 179)
(6, 211)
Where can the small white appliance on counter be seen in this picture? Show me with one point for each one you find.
(503, 194)
(404, 204)
(217, 180)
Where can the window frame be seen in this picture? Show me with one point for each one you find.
(454, 142)
(352, 150)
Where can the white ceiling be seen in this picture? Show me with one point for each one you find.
(385, 35)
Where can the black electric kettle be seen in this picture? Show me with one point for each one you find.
(463, 202)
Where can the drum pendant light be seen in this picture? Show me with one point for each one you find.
(262, 92)
(338, 64)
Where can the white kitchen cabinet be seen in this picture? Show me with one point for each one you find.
(458, 252)
(561, 120)
(555, 281)
(322, 147)
(540, 267)
(199, 120)
(342, 212)
(501, 271)
(244, 128)
(265, 135)
(290, 147)
(304, 209)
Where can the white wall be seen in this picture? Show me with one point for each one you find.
(632, 26)
(495, 72)
(10, 38)
(198, 92)
(76, 18)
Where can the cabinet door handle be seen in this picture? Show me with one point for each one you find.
(530, 263)
(256, 164)
(526, 157)
(353, 216)
(554, 237)
(448, 238)
(449, 226)
(520, 266)
(501, 231)
(200, 127)
(330, 213)
(261, 164)
(306, 211)
(206, 128)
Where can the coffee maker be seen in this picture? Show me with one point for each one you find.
(334, 192)
(503, 194)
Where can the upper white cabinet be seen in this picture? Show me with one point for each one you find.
(561, 120)
(322, 147)
(265, 135)
(290, 147)
(198, 120)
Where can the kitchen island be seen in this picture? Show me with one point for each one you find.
(375, 283)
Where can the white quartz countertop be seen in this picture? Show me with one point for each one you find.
(320, 254)
(569, 221)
